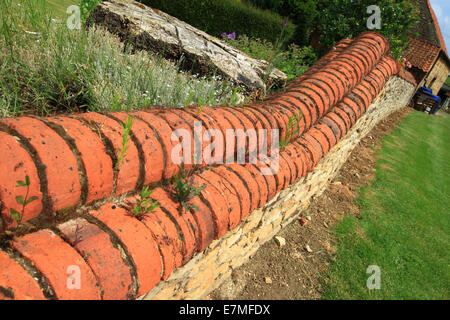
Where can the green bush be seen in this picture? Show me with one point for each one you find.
(341, 19)
(293, 60)
(218, 16)
(296, 60)
(86, 7)
(302, 13)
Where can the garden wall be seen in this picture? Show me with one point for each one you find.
(208, 269)
(101, 251)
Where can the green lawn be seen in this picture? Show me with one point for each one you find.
(58, 7)
(405, 219)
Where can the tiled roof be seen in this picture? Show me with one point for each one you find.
(428, 26)
(422, 54)
(426, 30)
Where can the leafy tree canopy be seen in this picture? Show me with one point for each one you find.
(339, 19)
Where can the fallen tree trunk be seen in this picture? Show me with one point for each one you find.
(152, 30)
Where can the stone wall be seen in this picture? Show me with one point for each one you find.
(439, 74)
(100, 249)
(208, 269)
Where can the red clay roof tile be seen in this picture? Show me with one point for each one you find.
(422, 54)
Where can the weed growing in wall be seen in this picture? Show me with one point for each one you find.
(78, 238)
(126, 132)
(183, 191)
(16, 215)
(292, 130)
(144, 205)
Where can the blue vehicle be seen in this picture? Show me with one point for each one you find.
(425, 101)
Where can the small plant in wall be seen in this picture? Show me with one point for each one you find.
(78, 237)
(144, 204)
(126, 132)
(183, 191)
(16, 215)
(292, 130)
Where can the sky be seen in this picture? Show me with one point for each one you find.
(442, 10)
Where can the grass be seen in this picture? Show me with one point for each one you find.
(46, 68)
(56, 7)
(404, 224)
(59, 7)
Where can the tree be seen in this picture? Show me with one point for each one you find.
(339, 19)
